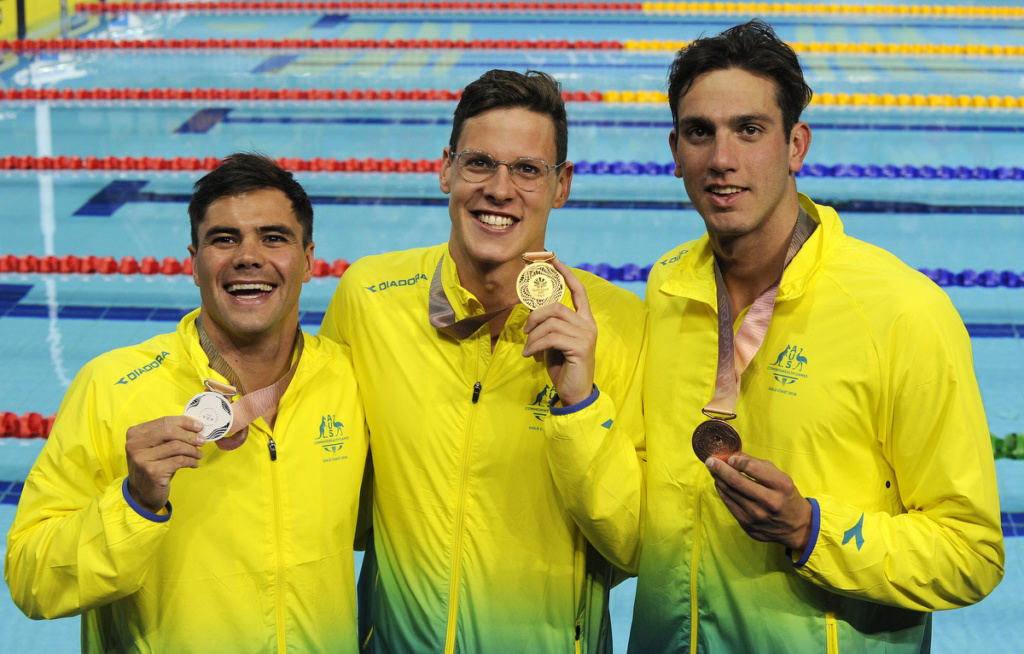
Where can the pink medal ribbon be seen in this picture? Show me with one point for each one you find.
(716, 437)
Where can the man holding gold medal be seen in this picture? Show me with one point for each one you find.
(486, 536)
(256, 554)
(843, 485)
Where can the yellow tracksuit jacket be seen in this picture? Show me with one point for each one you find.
(481, 543)
(864, 393)
(252, 554)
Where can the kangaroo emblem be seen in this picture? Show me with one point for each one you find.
(782, 355)
(543, 395)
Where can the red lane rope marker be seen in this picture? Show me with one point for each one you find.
(314, 165)
(39, 45)
(276, 7)
(27, 425)
(261, 95)
(70, 264)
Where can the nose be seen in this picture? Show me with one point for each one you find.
(500, 187)
(248, 253)
(723, 154)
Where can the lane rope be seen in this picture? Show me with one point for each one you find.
(411, 166)
(128, 265)
(751, 8)
(19, 46)
(136, 94)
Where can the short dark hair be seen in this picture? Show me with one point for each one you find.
(506, 89)
(753, 47)
(244, 172)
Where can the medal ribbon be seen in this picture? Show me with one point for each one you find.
(734, 354)
(442, 314)
(258, 403)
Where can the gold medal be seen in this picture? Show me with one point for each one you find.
(539, 284)
(716, 438)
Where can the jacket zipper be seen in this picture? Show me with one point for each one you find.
(281, 644)
(832, 633)
(460, 517)
(694, 562)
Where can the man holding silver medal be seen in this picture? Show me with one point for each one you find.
(256, 555)
(844, 484)
(486, 536)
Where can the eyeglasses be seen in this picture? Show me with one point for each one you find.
(526, 172)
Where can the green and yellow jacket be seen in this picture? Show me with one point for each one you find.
(864, 393)
(480, 543)
(253, 552)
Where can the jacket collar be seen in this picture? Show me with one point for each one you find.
(693, 275)
(209, 364)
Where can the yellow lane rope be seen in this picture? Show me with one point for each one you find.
(765, 8)
(860, 99)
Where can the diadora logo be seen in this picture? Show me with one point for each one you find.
(541, 405)
(331, 437)
(788, 369)
(674, 258)
(138, 372)
(395, 283)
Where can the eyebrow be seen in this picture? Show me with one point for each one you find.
(219, 230)
(734, 120)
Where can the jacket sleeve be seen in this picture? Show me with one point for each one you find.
(946, 549)
(597, 454)
(77, 542)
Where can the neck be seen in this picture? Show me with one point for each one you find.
(258, 363)
(494, 285)
(752, 262)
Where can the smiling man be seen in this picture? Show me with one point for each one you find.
(488, 537)
(256, 555)
(843, 485)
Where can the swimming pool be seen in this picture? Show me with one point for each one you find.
(933, 182)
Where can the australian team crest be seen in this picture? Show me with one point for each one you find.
(541, 405)
(331, 437)
(789, 367)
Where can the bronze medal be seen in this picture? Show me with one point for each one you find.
(716, 438)
(539, 284)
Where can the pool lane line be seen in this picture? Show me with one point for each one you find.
(20, 46)
(657, 8)
(388, 165)
(149, 266)
(72, 97)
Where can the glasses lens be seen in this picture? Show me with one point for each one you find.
(476, 166)
(529, 173)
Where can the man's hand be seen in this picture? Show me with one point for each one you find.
(156, 450)
(763, 500)
(568, 340)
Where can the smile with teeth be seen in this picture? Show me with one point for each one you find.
(495, 220)
(249, 289)
(725, 190)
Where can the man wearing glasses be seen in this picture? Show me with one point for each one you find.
(488, 537)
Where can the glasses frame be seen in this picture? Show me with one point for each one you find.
(456, 158)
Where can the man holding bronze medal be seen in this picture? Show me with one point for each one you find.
(486, 538)
(844, 485)
(256, 555)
